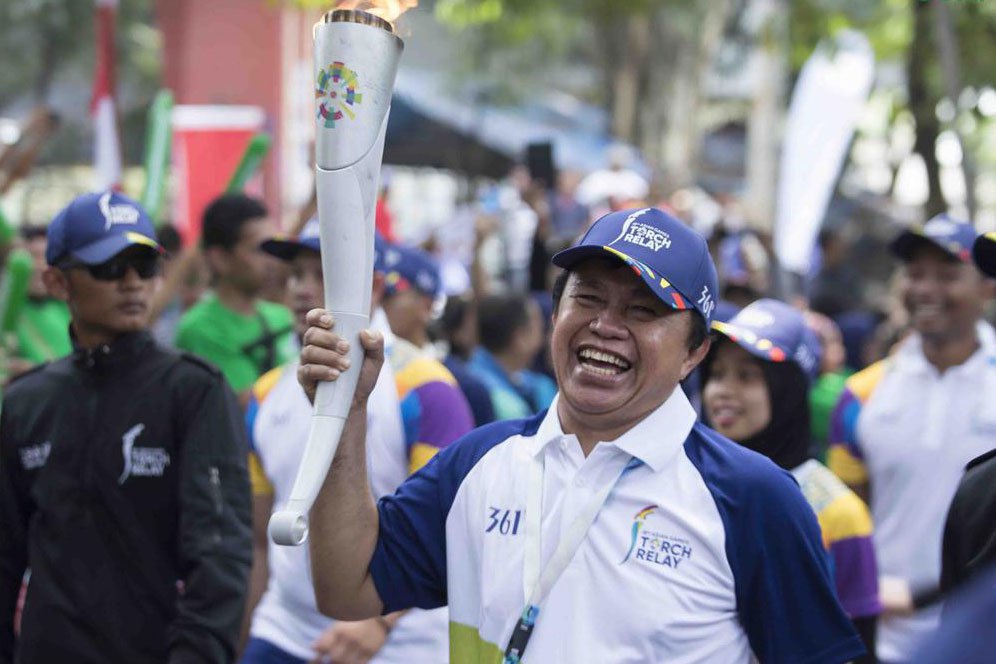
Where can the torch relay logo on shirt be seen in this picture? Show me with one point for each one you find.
(654, 547)
(141, 461)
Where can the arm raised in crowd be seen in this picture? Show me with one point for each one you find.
(344, 522)
(215, 540)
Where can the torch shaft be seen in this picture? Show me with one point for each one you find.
(355, 67)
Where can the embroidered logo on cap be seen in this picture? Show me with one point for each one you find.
(706, 303)
(939, 226)
(755, 317)
(641, 234)
(116, 214)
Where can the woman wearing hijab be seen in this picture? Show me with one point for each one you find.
(756, 382)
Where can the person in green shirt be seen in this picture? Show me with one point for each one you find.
(830, 384)
(231, 326)
(43, 328)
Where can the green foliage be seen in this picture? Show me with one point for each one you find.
(52, 42)
(30, 30)
(888, 25)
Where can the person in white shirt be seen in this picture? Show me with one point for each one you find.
(905, 427)
(611, 527)
(286, 625)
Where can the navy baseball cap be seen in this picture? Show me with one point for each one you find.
(406, 267)
(774, 332)
(96, 227)
(671, 258)
(380, 246)
(984, 253)
(952, 236)
(287, 248)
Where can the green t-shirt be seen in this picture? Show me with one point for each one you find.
(43, 331)
(243, 347)
(822, 400)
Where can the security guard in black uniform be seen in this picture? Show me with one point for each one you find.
(123, 483)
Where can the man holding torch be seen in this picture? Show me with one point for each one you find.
(611, 527)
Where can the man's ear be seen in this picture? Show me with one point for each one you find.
(217, 260)
(695, 357)
(56, 283)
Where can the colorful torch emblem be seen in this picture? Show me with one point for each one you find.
(336, 93)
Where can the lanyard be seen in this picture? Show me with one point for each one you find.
(536, 584)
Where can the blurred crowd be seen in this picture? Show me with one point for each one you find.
(892, 400)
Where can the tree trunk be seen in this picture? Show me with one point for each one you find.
(625, 76)
(48, 59)
(923, 105)
(947, 51)
(673, 124)
(766, 116)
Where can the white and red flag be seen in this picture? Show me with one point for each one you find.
(106, 144)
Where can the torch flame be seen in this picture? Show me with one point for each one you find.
(389, 10)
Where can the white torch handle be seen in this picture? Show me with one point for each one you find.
(352, 110)
(345, 195)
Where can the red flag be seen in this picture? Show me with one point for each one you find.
(106, 145)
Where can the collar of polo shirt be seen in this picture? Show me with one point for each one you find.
(911, 359)
(653, 441)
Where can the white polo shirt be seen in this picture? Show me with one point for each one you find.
(286, 615)
(910, 431)
(703, 552)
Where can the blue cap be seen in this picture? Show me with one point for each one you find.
(380, 246)
(725, 310)
(406, 267)
(670, 257)
(984, 253)
(94, 228)
(287, 248)
(774, 332)
(731, 260)
(952, 236)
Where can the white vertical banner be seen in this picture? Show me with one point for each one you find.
(106, 144)
(826, 103)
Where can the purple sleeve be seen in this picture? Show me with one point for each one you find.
(856, 576)
(445, 414)
(844, 422)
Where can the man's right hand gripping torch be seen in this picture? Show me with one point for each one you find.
(356, 60)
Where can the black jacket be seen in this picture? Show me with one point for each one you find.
(123, 486)
(970, 532)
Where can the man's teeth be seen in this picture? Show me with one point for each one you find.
(598, 356)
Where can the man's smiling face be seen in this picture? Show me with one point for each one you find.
(618, 350)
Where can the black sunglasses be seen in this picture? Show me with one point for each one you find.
(147, 266)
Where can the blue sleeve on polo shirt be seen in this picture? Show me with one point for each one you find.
(784, 587)
(409, 562)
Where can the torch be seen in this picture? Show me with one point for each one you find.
(356, 60)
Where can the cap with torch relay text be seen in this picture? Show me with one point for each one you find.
(95, 227)
(671, 258)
